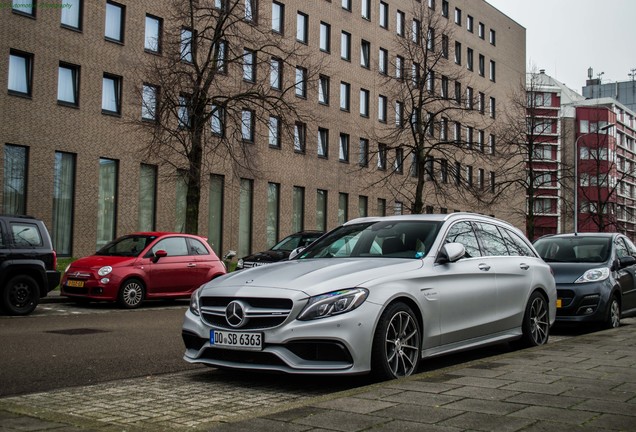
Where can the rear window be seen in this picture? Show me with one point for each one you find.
(25, 235)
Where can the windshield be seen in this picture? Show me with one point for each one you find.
(126, 246)
(401, 239)
(574, 249)
(293, 241)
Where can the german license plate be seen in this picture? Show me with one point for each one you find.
(237, 340)
(559, 303)
(75, 283)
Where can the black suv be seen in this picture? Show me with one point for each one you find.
(27, 264)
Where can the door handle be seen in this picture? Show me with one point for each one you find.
(192, 265)
(484, 267)
(524, 266)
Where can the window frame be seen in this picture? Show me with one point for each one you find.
(28, 73)
(122, 22)
(117, 88)
(159, 22)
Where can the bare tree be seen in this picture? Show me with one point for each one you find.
(218, 83)
(439, 124)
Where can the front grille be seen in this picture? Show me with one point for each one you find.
(261, 313)
(250, 264)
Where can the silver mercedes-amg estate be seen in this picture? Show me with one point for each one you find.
(377, 294)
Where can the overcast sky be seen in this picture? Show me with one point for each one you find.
(566, 37)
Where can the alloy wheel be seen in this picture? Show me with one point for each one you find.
(539, 325)
(402, 344)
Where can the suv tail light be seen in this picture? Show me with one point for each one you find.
(54, 260)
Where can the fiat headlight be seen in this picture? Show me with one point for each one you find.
(333, 303)
(104, 271)
(594, 275)
(194, 303)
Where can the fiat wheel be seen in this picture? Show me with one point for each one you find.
(131, 294)
(396, 344)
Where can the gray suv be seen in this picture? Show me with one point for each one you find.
(28, 264)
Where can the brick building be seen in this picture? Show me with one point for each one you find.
(74, 157)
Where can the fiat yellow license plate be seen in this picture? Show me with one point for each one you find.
(75, 283)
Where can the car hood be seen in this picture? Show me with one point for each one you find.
(316, 276)
(102, 260)
(267, 256)
(568, 273)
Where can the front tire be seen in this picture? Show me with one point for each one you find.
(131, 294)
(396, 343)
(21, 295)
(613, 319)
(536, 322)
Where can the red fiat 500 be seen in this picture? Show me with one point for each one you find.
(139, 266)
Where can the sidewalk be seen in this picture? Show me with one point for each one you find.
(585, 383)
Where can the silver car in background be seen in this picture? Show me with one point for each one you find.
(377, 294)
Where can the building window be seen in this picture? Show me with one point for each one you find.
(458, 92)
(68, 84)
(458, 53)
(443, 129)
(251, 9)
(384, 15)
(249, 65)
(149, 95)
(365, 9)
(416, 29)
(219, 52)
(325, 37)
(415, 74)
(321, 210)
(364, 152)
(298, 209)
(345, 99)
(382, 151)
(323, 90)
(399, 23)
(398, 208)
(365, 54)
(247, 125)
(383, 61)
(114, 27)
(430, 81)
(469, 23)
(346, 5)
(71, 16)
(458, 173)
(481, 30)
(273, 213)
(363, 206)
(323, 142)
(245, 217)
(301, 82)
(457, 132)
(302, 27)
(217, 120)
(399, 67)
(274, 132)
(458, 16)
(492, 71)
(276, 73)
(399, 114)
(443, 170)
(278, 17)
(147, 197)
(469, 137)
(345, 46)
(215, 213)
(183, 112)
(469, 59)
(20, 73)
(491, 144)
(398, 164)
(492, 181)
(111, 94)
(343, 148)
(492, 38)
(300, 133)
(444, 46)
(152, 35)
(382, 103)
(430, 39)
(445, 8)
(63, 195)
(343, 208)
(24, 7)
(107, 201)
(187, 46)
(492, 107)
(469, 98)
(364, 103)
(381, 209)
(482, 66)
(15, 179)
(480, 140)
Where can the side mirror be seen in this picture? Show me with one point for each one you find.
(450, 253)
(159, 254)
(296, 252)
(626, 261)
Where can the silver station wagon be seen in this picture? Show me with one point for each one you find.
(377, 295)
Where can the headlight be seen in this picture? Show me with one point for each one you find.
(594, 275)
(104, 270)
(239, 264)
(333, 303)
(194, 302)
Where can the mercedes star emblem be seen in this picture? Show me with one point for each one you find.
(235, 314)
